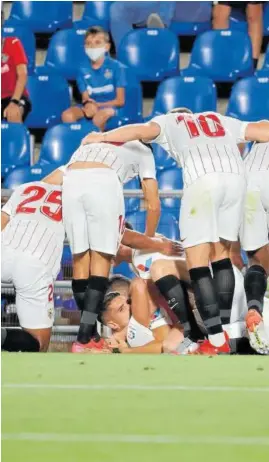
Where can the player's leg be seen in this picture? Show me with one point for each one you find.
(254, 13)
(102, 116)
(199, 227)
(81, 273)
(72, 115)
(221, 15)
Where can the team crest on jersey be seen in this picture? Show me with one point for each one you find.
(108, 74)
(4, 58)
(145, 268)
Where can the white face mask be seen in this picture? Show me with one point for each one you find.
(95, 53)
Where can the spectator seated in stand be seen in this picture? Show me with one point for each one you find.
(14, 96)
(101, 85)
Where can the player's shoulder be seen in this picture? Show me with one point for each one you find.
(12, 42)
(114, 64)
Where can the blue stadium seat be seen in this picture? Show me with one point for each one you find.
(15, 144)
(27, 38)
(124, 270)
(191, 18)
(264, 71)
(132, 110)
(197, 93)
(25, 174)
(162, 159)
(97, 14)
(249, 99)
(42, 16)
(61, 141)
(266, 19)
(152, 54)
(50, 97)
(67, 256)
(169, 180)
(211, 56)
(168, 225)
(66, 54)
(132, 203)
(238, 20)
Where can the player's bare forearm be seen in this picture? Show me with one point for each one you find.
(139, 241)
(153, 217)
(258, 131)
(153, 205)
(153, 347)
(21, 81)
(124, 254)
(4, 220)
(145, 132)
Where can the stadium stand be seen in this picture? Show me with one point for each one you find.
(168, 225)
(250, 99)
(264, 71)
(66, 53)
(16, 143)
(197, 93)
(170, 179)
(191, 18)
(211, 56)
(132, 203)
(41, 16)
(27, 38)
(266, 19)
(97, 14)
(61, 141)
(152, 54)
(25, 174)
(162, 160)
(50, 97)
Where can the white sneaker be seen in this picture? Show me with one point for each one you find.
(186, 347)
(257, 334)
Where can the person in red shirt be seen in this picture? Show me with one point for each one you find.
(14, 96)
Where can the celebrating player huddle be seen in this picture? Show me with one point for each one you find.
(224, 199)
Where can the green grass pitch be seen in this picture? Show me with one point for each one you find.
(98, 408)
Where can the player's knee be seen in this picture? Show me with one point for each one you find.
(156, 271)
(68, 117)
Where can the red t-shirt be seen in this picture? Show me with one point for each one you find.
(13, 54)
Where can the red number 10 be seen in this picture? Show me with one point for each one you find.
(194, 126)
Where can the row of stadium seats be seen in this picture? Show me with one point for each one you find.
(152, 54)
(249, 99)
(47, 17)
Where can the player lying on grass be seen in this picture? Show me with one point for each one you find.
(32, 245)
(205, 146)
(94, 216)
(254, 239)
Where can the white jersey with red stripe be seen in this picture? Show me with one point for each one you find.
(202, 143)
(258, 158)
(35, 225)
(129, 160)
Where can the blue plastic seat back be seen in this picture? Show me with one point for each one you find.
(124, 270)
(15, 146)
(266, 19)
(152, 54)
(61, 141)
(168, 225)
(249, 99)
(26, 174)
(170, 180)
(211, 56)
(191, 18)
(66, 54)
(132, 203)
(42, 16)
(97, 13)
(50, 96)
(264, 71)
(197, 93)
(27, 39)
(162, 159)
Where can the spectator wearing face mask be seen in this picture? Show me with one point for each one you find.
(101, 85)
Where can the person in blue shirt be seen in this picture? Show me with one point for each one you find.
(102, 84)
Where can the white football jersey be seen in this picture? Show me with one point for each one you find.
(35, 225)
(258, 158)
(202, 143)
(127, 159)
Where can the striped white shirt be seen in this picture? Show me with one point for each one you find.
(129, 160)
(35, 225)
(258, 158)
(202, 143)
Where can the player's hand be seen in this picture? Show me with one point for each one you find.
(171, 248)
(12, 112)
(93, 137)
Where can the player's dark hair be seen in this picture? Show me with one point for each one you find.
(94, 30)
(180, 110)
(107, 300)
(129, 226)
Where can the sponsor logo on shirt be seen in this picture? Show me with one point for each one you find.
(97, 90)
(108, 74)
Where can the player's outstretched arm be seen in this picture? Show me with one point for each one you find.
(139, 241)
(145, 132)
(258, 131)
(153, 205)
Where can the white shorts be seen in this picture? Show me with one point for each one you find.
(142, 261)
(93, 210)
(212, 208)
(255, 227)
(34, 288)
